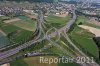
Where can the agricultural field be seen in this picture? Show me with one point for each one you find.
(35, 61)
(92, 25)
(20, 62)
(84, 38)
(68, 64)
(12, 20)
(86, 21)
(32, 61)
(3, 40)
(18, 31)
(26, 24)
(57, 21)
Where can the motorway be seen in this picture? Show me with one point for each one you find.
(66, 29)
(79, 53)
(13, 51)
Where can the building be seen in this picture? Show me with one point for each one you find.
(49, 1)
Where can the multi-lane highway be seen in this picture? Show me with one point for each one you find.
(13, 51)
(64, 30)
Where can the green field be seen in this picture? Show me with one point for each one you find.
(81, 19)
(35, 61)
(3, 40)
(56, 21)
(84, 39)
(92, 25)
(23, 34)
(32, 61)
(22, 30)
(8, 28)
(84, 20)
(4, 18)
(28, 24)
(23, 17)
(20, 62)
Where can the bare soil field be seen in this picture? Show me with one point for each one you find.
(11, 20)
(32, 17)
(93, 21)
(93, 30)
(6, 64)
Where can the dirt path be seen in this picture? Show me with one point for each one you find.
(91, 29)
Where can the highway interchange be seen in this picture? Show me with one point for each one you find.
(64, 30)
